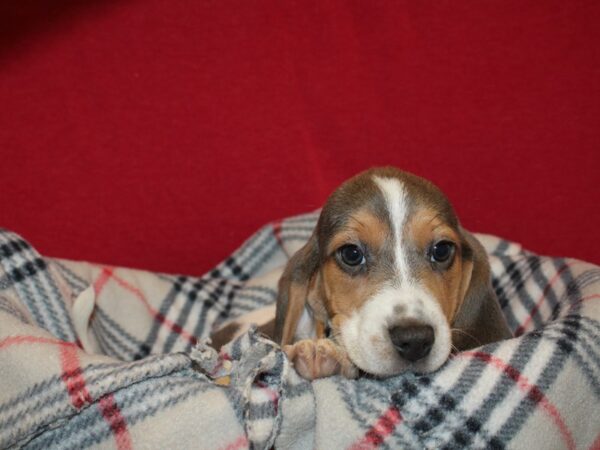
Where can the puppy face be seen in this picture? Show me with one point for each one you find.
(389, 269)
(391, 259)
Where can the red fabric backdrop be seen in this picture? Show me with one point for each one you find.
(160, 134)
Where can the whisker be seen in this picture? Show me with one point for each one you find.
(334, 336)
(466, 334)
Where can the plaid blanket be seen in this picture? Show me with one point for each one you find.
(99, 356)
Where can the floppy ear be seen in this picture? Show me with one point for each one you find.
(479, 319)
(295, 285)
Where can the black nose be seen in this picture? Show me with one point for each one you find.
(413, 342)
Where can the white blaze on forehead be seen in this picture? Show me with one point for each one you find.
(396, 200)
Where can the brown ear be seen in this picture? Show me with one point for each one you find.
(294, 287)
(479, 319)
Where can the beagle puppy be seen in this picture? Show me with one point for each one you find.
(389, 281)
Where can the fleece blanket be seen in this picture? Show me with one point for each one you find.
(95, 356)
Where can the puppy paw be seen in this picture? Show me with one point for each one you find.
(319, 358)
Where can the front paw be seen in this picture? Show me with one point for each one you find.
(319, 358)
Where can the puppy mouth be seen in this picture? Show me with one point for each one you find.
(386, 364)
(388, 361)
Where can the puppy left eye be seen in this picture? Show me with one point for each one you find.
(441, 252)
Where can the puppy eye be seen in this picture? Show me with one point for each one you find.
(441, 251)
(352, 255)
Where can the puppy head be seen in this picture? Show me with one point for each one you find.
(393, 274)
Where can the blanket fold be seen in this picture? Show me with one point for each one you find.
(95, 356)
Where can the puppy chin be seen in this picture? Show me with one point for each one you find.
(366, 338)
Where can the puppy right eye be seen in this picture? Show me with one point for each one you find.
(352, 255)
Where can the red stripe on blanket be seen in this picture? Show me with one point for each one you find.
(72, 376)
(109, 273)
(533, 392)
(271, 393)
(384, 426)
(16, 340)
(102, 279)
(585, 299)
(519, 331)
(596, 444)
(241, 442)
(112, 414)
(277, 232)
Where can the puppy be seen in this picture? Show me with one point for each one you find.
(389, 281)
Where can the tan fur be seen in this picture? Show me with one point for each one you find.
(343, 294)
(340, 293)
(362, 226)
(320, 329)
(424, 227)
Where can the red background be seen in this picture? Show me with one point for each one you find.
(161, 134)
